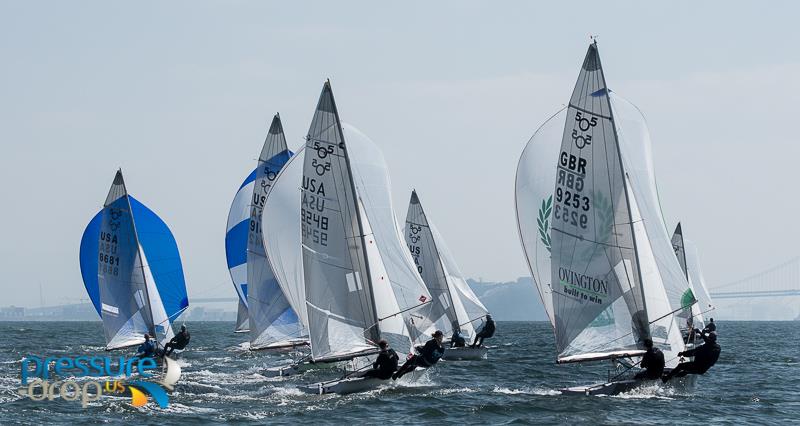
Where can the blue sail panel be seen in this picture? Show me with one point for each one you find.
(236, 237)
(88, 259)
(163, 257)
(160, 248)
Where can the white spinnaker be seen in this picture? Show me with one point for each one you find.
(281, 233)
(535, 180)
(634, 140)
(370, 174)
(664, 329)
(161, 322)
(469, 308)
(704, 304)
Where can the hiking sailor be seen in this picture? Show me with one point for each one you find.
(428, 356)
(705, 356)
(652, 362)
(385, 364)
(486, 331)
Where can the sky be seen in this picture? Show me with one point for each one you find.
(181, 94)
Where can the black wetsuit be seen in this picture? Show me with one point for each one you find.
(428, 356)
(709, 328)
(178, 342)
(384, 365)
(653, 363)
(486, 332)
(705, 356)
(457, 340)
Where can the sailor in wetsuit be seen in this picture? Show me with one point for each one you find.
(385, 364)
(146, 349)
(652, 362)
(705, 356)
(710, 327)
(178, 342)
(486, 331)
(457, 339)
(428, 356)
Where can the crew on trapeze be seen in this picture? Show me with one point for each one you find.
(427, 356)
(178, 342)
(386, 363)
(652, 362)
(486, 332)
(705, 356)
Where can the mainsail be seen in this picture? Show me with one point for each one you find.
(357, 280)
(132, 270)
(453, 302)
(272, 320)
(586, 224)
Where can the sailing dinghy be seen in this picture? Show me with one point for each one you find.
(699, 299)
(359, 283)
(132, 271)
(453, 302)
(591, 228)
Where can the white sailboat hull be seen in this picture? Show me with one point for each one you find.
(359, 384)
(622, 386)
(296, 369)
(285, 344)
(465, 354)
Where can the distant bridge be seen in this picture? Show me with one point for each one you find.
(779, 281)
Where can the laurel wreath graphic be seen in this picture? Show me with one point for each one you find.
(544, 221)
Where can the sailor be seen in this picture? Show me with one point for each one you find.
(652, 362)
(428, 356)
(385, 364)
(146, 349)
(178, 342)
(457, 339)
(486, 331)
(705, 356)
(710, 327)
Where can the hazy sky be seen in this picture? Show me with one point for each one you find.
(180, 95)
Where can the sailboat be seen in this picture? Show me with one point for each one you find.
(132, 270)
(696, 297)
(591, 228)
(453, 303)
(357, 281)
(270, 319)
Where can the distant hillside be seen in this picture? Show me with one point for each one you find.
(510, 301)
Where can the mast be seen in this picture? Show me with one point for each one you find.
(624, 184)
(356, 201)
(141, 258)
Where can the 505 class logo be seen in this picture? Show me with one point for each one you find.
(87, 379)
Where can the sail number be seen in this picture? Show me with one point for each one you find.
(314, 227)
(107, 262)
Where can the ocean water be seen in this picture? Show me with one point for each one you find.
(753, 382)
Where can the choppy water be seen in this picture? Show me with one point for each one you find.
(751, 383)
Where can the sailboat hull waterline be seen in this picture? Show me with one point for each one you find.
(359, 384)
(629, 385)
(466, 354)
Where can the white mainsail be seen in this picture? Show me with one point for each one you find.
(453, 303)
(704, 305)
(273, 322)
(356, 283)
(591, 228)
